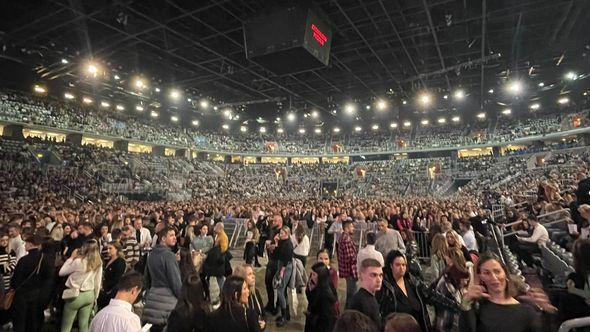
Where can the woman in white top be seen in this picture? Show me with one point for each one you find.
(84, 271)
(301, 244)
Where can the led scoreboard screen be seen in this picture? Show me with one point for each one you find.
(318, 38)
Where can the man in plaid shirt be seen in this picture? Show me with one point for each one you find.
(347, 253)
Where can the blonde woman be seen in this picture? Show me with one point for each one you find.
(84, 272)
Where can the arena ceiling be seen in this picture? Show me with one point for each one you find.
(388, 49)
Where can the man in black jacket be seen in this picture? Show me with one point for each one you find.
(371, 278)
(272, 266)
(29, 276)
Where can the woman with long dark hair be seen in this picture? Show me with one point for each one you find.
(113, 271)
(190, 312)
(321, 297)
(497, 309)
(185, 263)
(232, 314)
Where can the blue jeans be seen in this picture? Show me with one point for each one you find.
(284, 284)
(220, 281)
(350, 290)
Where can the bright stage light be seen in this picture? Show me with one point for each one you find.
(424, 122)
(174, 94)
(456, 119)
(407, 124)
(68, 96)
(381, 105)
(571, 76)
(425, 99)
(368, 107)
(490, 91)
(154, 114)
(375, 127)
(291, 117)
(245, 129)
(139, 84)
(116, 77)
(349, 108)
(336, 130)
(65, 61)
(225, 126)
(157, 89)
(535, 106)
(262, 130)
(459, 95)
(315, 114)
(195, 123)
(358, 129)
(481, 115)
(120, 107)
(318, 131)
(514, 87)
(442, 120)
(174, 118)
(139, 108)
(87, 100)
(393, 125)
(541, 84)
(39, 89)
(507, 111)
(92, 69)
(563, 100)
(280, 130)
(204, 104)
(404, 102)
(302, 130)
(445, 97)
(105, 104)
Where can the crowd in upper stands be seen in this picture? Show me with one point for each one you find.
(87, 119)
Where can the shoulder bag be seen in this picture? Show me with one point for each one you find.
(6, 300)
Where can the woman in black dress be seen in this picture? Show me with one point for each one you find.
(190, 312)
(321, 297)
(232, 314)
(113, 270)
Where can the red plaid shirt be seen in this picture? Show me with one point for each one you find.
(347, 252)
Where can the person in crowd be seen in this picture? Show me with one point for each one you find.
(143, 237)
(401, 322)
(369, 251)
(232, 314)
(222, 241)
(530, 245)
(400, 292)
(301, 243)
(203, 242)
(440, 249)
(498, 310)
(84, 272)
(186, 263)
(79, 237)
(575, 302)
(336, 228)
(118, 315)
(254, 300)
(272, 265)
(388, 239)
(130, 246)
(16, 243)
(355, 321)
(27, 282)
(452, 285)
(284, 271)
(114, 269)
(468, 235)
(364, 300)
(191, 310)
(163, 279)
(103, 242)
(7, 262)
(454, 244)
(347, 253)
(321, 297)
(251, 245)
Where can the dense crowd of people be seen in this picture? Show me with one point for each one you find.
(88, 119)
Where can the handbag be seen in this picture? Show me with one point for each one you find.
(71, 293)
(8, 297)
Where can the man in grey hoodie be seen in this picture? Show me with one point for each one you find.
(162, 276)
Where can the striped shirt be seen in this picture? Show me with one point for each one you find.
(131, 251)
(7, 264)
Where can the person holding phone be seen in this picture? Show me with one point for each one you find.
(497, 309)
(321, 296)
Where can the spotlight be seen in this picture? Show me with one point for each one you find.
(215, 108)
(336, 130)
(442, 120)
(514, 87)
(105, 104)
(445, 97)
(204, 104)
(302, 130)
(393, 125)
(381, 105)
(491, 91)
(139, 108)
(120, 107)
(87, 100)
(305, 115)
(425, 99)
(481, 115)
(563, 100)
(291, 116)
(68, 96)
(349, 108)
(459, 94)
(315, 114)
(174, 94)
(424, 122)
(456, 119)
(507, 111)
(92, 69)
(541, 84)
(195, 123)
(225, 126)
(227, 113)
(375, 127)
(65, 61)
(237, 117)
(368, 107)
(262, 130)
(358, 129)
(244, 129)
(571, 76)
(407, 124)
(174, 118)
(318, 131)
(39, 89)
(535, 106)
(157, 89)
(404, 102)
(139, 84)
(116, 77)
(280, 130)
(154, 114)
(189, 99)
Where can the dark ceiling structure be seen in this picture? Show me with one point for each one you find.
(390, 49)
